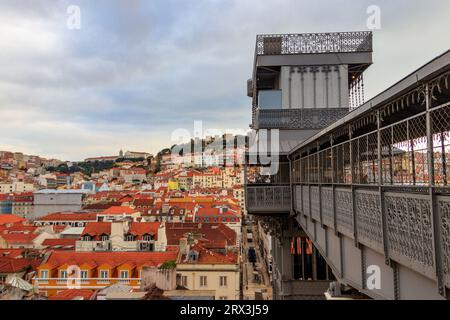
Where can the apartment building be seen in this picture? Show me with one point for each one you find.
(50, 201)
(204, 269)
(97, 270)
(22, 204)
(123, 236)
(18, 186)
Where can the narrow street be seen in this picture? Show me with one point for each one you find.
(255, 277)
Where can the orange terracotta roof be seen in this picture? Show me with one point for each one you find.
(20, 228)
(97, 228)
(209, 232)
(59, 258)
(72, 294)
(118, 210)
(10, 265)
(11, 253)
(206, 256)
(143, 202)
(100, 206)
(59, 242)
(9, 218)
(141, 228)
(19, 238)
(66, 216)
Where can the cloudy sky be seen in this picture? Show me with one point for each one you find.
(138, 70)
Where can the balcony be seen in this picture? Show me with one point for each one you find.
(268, 193)
(336, 42)
(297, 118)
(268, 199)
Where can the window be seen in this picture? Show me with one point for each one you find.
(83, 274)
(223, 281)
(124, 274)
(181, 280)
(193, 255)
(203, 281)
(129, 237)
(223, 298)
(87, 238)
(103, 274)
(147, 237)
(104, 237)
(63, 274)
(44, 274)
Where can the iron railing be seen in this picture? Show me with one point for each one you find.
(386, 182)
(308, 118)
(402, 153)
(268, 199)
(336, 42)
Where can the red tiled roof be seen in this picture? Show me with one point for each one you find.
(21, 228)
(9, 218)
(72, 294)
(118, 210)
(141, 228)
(101, 206)
(143, 202)
(11, 253)
(19, 238)
(95, 229)
(206, 256)
(10, 265)
(216, 212)
(208, 231)
(58, 258)
(59, 242)
(66, 216)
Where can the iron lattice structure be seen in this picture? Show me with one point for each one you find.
(335, 42)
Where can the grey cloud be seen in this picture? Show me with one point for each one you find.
(144, 68)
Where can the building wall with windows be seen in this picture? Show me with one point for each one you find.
(223, 279)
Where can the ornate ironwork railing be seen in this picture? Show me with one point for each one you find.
(271, 44)
(383, 179)
(297, 118)
(271, 199)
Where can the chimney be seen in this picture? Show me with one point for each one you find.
(184, 248)
(161, 241)
(118, 230)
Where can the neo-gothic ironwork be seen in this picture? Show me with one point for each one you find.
(314, 43)
(307, 118)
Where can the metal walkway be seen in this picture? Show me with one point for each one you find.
(372, 191)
